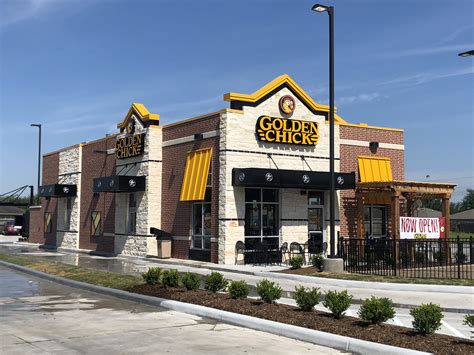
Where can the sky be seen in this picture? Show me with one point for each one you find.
(76, 66)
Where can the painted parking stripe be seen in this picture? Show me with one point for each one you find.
(453, 330)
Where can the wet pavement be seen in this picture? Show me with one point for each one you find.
(41, 317)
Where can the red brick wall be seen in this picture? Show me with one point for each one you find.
(50, 176)
(175, 215)
(348, 163)
(97, 164)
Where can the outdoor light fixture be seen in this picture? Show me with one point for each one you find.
(39, 154)
(466, 54)
(332, 182)
(320, 8)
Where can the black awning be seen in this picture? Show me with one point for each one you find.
(318, 180)
(58, 190)
(119, 183)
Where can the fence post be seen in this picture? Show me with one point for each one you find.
(458, 256)
(470, 250)
(394, 256)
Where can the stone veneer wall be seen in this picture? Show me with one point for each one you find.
(349, 154)
(239, 148)
(70, 165)
(148, 202)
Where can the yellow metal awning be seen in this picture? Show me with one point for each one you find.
(195, 175)
(374, 169)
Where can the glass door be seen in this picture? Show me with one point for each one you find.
(315, 222)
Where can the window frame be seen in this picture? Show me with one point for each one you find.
(96, 232)
(68, 213)
(201, 236)
(48, 225)
(131, 211)
(371, 221)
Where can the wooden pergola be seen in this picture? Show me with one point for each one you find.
(392, 193)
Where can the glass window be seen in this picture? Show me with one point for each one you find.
(315, 198)
(132, 213)
(47, 222)
(96, 223)
(261, 217)
(67, 213)
(375, 221)
(201, 238)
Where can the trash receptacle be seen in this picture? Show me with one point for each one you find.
(163, 243)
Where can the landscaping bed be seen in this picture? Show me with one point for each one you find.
(347, 326)
(312, 271)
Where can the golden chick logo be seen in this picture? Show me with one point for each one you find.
(280, 130)
(287, 104)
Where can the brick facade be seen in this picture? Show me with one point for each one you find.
(96, 163)
(176, 216)
(348, 163)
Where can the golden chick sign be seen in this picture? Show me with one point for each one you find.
(130, 146)
(287, 131)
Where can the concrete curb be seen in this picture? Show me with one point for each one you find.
(290, 331)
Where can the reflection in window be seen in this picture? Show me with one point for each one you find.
(375, 220)
(201, 238)
(132, 213)
(47, 222)
(96, 223)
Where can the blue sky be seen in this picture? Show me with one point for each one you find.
(76, 66)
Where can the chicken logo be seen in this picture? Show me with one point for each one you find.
(287, 104)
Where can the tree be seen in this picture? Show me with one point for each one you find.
(467, 202)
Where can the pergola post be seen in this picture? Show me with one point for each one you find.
(360, 215)
(446, 214)
(395, 207)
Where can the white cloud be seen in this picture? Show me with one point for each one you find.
(359, 98)
(455, 34)
(454, 49)
(14, 11)
(425, 77)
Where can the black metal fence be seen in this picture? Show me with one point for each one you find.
(409, 258)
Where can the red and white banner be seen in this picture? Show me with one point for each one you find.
(421, 228)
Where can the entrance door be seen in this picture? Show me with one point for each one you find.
(315, 229)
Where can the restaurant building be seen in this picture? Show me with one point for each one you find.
(255, 172)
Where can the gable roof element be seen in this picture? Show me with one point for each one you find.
(142, 113)
(468, 214)
(273, 86)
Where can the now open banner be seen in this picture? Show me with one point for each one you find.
(421, 228)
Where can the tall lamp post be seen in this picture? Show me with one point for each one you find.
(39, 155)
(332, 188)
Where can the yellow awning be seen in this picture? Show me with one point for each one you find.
(195, 175)
(374, 169)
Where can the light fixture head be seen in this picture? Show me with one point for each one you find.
(320, 8)
(466, 54)
(35, 125)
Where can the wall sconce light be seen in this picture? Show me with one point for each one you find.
(373, 145)
(198, 136)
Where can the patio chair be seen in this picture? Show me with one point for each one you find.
(296, 249)
(284, 253)
(239, 249)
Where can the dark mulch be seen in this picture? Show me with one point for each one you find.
(348, 326)
(310, 270)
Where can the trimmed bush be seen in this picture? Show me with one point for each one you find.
(296, 262)
(238, 289)
(269, 291)
(306, 298)
(469, 320)
(170, 278)
(317, 261)
(215, 282)
(337, 302)
(376, 310)
(191, 281)
(426, 318)
(152, 276)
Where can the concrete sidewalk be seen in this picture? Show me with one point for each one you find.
(450, 298)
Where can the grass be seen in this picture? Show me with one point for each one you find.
(77, 273)
(392, 279)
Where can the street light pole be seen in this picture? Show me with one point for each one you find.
(39, 155)
(332, 187)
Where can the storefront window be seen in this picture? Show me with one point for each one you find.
(96, 223)
(201, 238)
(261, 217)
(375, 220)
(67, 214)
(132, 213)
(47, 222)
(315, 198)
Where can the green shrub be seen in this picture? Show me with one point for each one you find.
(269, 291)
(215, 282)
(170, 278)
(337, 302)
(426, 318)
(376, 310)
(317, 261)
(152, 276)
(296, 262)
(191, 281)
(469, 320)
(306, 298)
(238, 289)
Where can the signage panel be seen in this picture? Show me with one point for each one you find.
(130, 146)
(421, 228)
(286, 131)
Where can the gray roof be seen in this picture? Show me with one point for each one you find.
(468, 214)
(11, 211)
(427, 212)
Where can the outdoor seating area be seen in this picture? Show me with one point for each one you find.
(261, 253)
